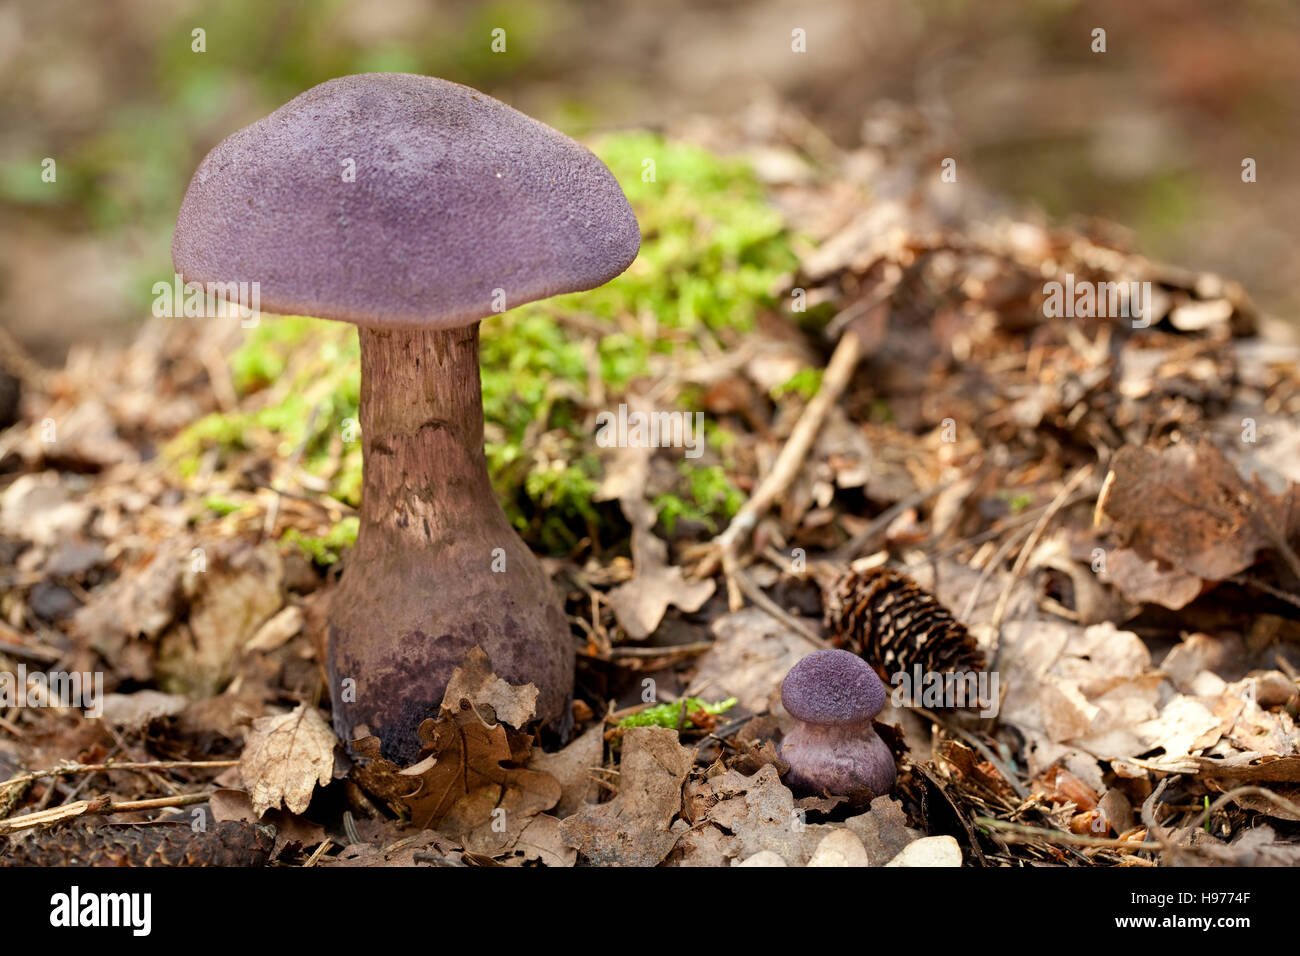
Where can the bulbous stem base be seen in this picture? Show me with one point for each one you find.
(838, 759)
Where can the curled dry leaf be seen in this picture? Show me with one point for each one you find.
(471, 783)
(474, 681)
(285, 757)
(640, 604)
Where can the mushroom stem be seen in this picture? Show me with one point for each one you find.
(437, 568)
(422, 429)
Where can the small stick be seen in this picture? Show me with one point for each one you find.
(724, 548)
(849, 550)
(1245, 791)
(81, 808)
(319, 852)
(1020, 833)
(671, 650)
(979, 745)
(755, 594)
(98, 767)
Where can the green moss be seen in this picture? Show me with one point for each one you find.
(325, 549)
(805, 383)
(712, 495)
(669, 715)
(222, 506)
(713, 252)
(1016, 502)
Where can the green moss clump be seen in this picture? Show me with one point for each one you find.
(805, 383)
(668, 715)
(325, 549)
(712, 495)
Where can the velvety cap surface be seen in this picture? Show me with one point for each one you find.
(832, 687)
(390, 199)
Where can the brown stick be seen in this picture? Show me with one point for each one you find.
(99, 767)
(81, 808)
(725, 547)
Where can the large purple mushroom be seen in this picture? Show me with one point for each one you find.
(413, 207)
(833, 749)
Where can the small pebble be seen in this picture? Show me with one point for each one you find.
(929, 851)
(840, 848)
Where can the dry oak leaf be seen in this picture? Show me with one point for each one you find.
(474, 681)
(470, 782)
(461, 781)
(573, 767)
(285, 757)
(1187, 506)
(633, 829)
(760, 811)
(640, 604)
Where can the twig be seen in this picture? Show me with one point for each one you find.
(992, 565)
(1245, 580)
(319, 852)
(31, 653)
(765, 603)
(725, 547)
(979, 745)
(1249, 790)
(1020, 833)
(81, 808)
(98, 767)
(850, 549)
(671, 650)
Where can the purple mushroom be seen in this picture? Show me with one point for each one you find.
(413, 207)
(833, 749)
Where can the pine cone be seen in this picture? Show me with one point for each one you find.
(225, 843)
(894, 624)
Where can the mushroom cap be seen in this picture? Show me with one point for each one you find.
(832, 687)
(455, 196)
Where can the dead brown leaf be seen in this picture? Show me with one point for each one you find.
(286, 757)
(633, 829)
(1187, 506)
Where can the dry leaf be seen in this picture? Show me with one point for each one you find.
(760, 812)
(136, 710)
(240, 588)
(640, 604)
(633, 829)
(1187, 506)
(573, 769)
(471, 782)
(474, 681)
(286, 757)
(751, 655)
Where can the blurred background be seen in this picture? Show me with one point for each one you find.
(1150, 134)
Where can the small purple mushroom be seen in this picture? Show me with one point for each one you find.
(412, 208)
(834, 695)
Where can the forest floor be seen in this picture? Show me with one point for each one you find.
(887, 379)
